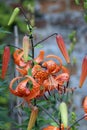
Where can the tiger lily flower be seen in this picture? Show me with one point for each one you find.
(84, 104)
(5, 61)
(62, 47)
(54, 127)
(24, 70)
(51, 66)
(40, 57)
(17, 55)
(51, 128)
(21, 90)
(84, 72)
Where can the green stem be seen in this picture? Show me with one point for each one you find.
(49, 114)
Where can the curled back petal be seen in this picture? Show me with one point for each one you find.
(40, 57)
(34, 91)
(21, 90)
(51, 128)
(17, 55)
(51, 65)
(11, 85)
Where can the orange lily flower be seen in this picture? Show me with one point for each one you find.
(84, 104)
(84, 71)
(17, 55)
(5, 62)
(24, 70)
(21, 90)
(39, 74)
(51, 128)
(64, 77)
(62, 47)
(54, 127)
(51, 66)
(24, 92)
(40, 57)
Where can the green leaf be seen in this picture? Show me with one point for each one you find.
(30, 72)
(39, 46)
(77, 2)
(85, 17)
(85, 5)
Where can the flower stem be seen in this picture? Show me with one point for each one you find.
(45, 39)
(49, 114)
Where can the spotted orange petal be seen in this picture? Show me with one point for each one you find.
(51, 128)
(40, 57)
(17, 55)
(51, 65)
(54, 127)
(21, 90)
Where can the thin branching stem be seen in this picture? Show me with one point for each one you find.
(45, 39)
(15, 47)
(48, 114)
(78, 121)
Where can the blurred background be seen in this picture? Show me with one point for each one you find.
(64, 17)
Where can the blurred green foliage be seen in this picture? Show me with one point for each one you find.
(5, 13)
(84, 2)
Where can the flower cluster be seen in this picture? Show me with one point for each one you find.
(40, 74)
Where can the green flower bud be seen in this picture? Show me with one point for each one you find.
(14, 14)
(64, 113)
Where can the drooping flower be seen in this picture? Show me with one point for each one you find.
(21, 90)
(50, 127)
(83, 72)
(5, 61)
(62, 47)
